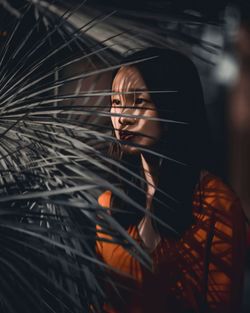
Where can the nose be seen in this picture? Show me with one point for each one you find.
(126, 120)
(129, 112)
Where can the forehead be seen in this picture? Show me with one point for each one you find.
(128, 78)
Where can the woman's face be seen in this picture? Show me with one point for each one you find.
(131, 98)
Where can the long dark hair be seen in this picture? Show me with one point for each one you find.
(188, 143)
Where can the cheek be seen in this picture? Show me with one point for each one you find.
(152, 129)
(154, 125)
(157, 132)
(113, 118)
(114, 121)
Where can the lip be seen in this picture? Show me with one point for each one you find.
(125, 135)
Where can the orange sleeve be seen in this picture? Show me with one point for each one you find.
(226, 260)
(218, 244)
(104, 199)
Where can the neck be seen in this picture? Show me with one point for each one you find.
(150, 167)
(148, 234)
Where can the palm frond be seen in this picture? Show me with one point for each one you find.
(56, 67)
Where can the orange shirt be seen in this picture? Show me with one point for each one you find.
(200, 272)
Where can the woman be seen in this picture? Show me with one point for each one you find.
(196, 237)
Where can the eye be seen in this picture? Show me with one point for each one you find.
(116, 102)
(139, 100)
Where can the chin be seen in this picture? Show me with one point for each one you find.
(136, 150)
(130, 150)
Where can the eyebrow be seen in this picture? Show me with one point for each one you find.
(131, 91)
(138, 89)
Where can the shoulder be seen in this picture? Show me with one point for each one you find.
(219, 221)
(216, 194)
(217, 207)
(226, 233)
